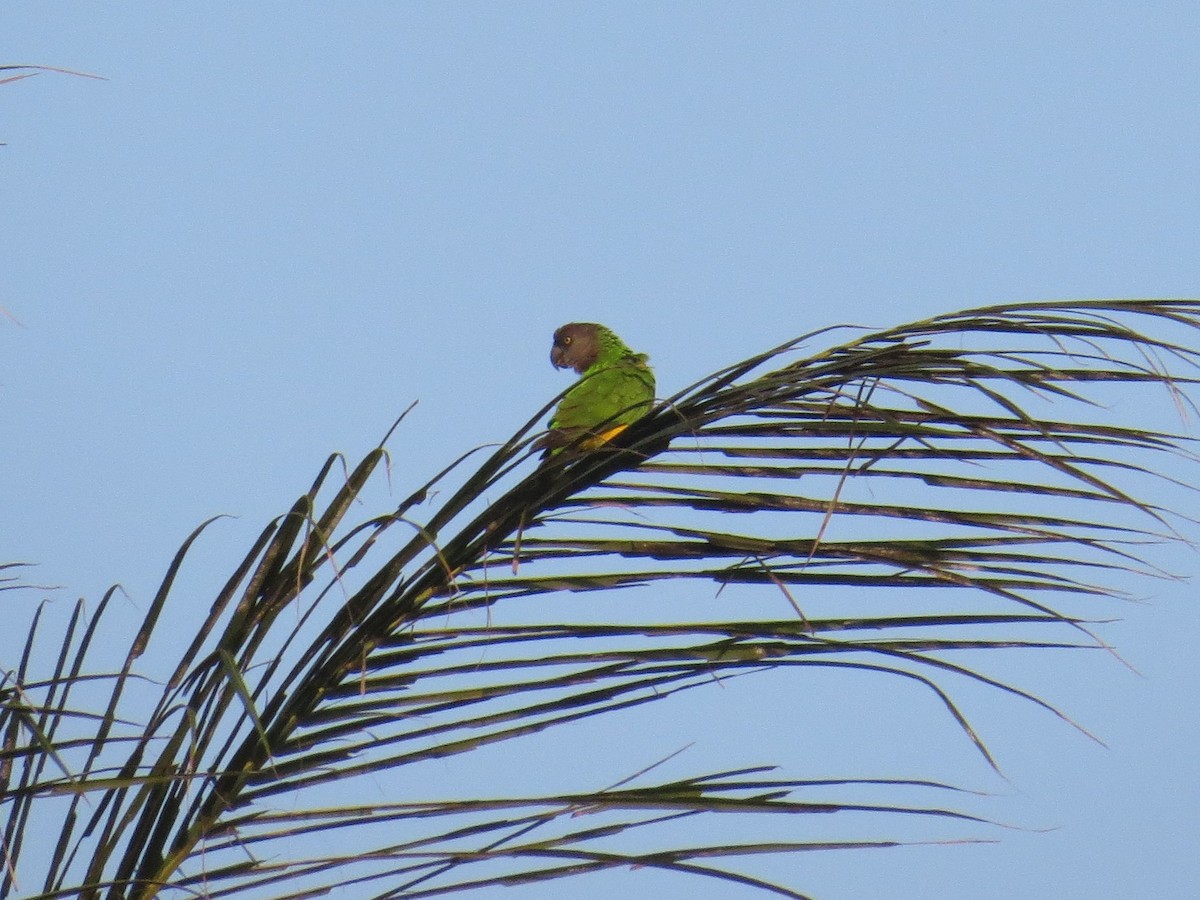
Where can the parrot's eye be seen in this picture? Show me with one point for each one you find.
(566, 341)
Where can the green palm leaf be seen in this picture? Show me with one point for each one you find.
(896, 505)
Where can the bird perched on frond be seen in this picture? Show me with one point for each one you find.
(614, 390)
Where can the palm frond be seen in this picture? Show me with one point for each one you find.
(892, 505)
(28, 71)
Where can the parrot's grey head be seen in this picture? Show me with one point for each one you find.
(576, 346)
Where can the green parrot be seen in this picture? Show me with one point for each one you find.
(615, 388)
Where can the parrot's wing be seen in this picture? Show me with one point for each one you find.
(603, 403)
(618, 394)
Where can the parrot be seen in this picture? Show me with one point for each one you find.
(615, 388)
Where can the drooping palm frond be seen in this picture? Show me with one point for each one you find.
(955, 485)
(28, 71)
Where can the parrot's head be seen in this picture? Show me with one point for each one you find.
(576, 346)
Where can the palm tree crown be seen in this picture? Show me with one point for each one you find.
(964, 464)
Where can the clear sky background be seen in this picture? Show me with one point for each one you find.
(276, 225)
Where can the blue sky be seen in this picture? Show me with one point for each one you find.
(274, 226)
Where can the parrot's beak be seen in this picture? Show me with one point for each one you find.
(556, 357)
